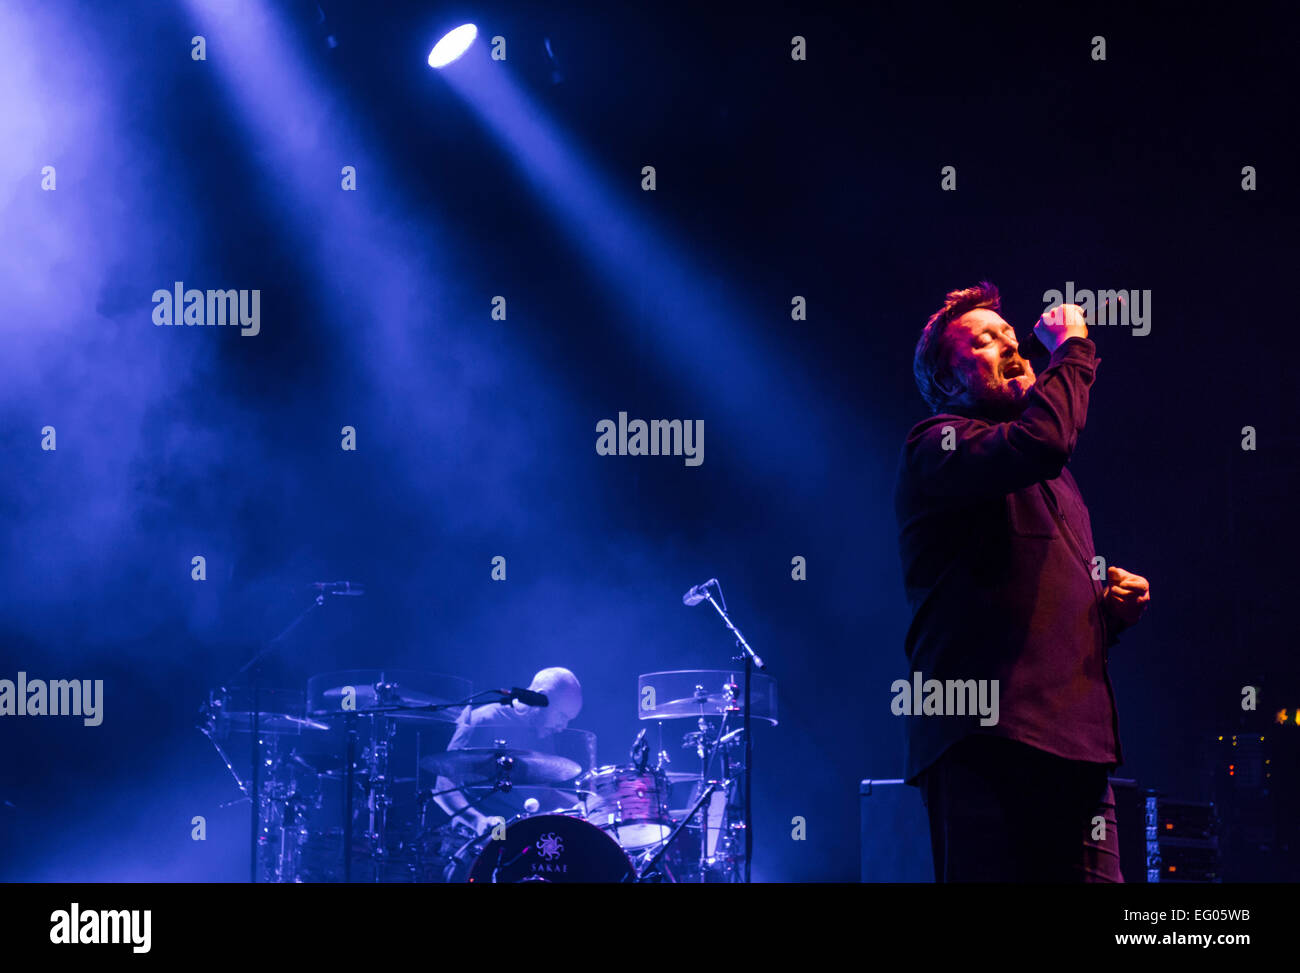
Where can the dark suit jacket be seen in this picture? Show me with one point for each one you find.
(996, 548)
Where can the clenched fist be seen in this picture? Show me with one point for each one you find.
(1060, 323)
(1127, 595)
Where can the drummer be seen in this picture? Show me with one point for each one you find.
(522, 727)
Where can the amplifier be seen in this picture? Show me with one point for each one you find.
(1182, 841)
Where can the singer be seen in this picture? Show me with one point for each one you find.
(997, 557)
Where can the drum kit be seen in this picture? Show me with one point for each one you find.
(348, 771)
(350, 780)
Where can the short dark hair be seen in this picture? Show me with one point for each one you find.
(930, 354)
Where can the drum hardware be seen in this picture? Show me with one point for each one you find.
(349, 779)
(730, 738)
(290, 832)
(647, 872)
(686, 694)
(493, 765)
(712, 698)
(210, 726)
(680, 776)
(626, 803)
(331, 767)
(394, 693)
(378, 801)
(389, 831)
(281, 803)
(504, 764)
(752, 662)
(459, 858)
(422, 800)
(270, 717)
(285, 787)
(385, 699)
(252, 671)
(501, 767)
(639, 753)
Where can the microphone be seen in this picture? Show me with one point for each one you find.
(640, 752)
(697, 594)
(350, 588)
(525, 696)
(1033, 346)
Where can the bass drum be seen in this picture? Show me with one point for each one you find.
(543, 848)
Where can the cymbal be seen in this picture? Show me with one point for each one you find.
(382, 692)
(368, 700)
(271, 722)
(705, 704)
(696, 693)
(710, 702)
(482, 765)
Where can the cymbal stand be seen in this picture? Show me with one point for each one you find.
(648, 868)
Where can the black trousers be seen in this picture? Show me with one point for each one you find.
(1003, 811)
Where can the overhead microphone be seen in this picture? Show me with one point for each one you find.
(698, 593)
(639, 754)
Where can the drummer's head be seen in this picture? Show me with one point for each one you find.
(564, 695)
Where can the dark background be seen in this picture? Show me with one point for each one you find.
(476, 437)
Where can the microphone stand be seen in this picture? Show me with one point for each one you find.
(752, 662)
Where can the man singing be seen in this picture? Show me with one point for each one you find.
(998, 566)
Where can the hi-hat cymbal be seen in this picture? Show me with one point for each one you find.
(484, 765)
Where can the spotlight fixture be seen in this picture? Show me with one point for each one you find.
(452, 46)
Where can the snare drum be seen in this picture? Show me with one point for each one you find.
(630, 804)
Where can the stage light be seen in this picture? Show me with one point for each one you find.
(452, 46)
